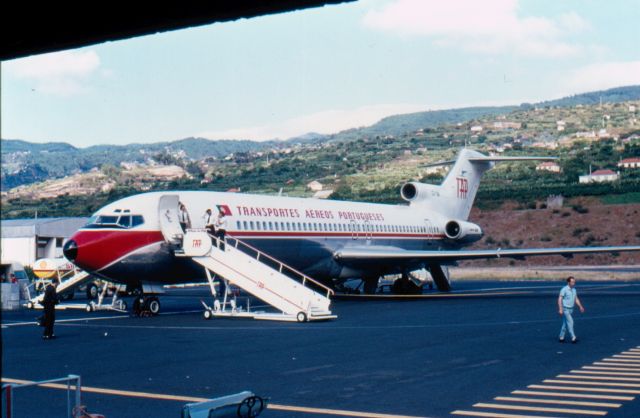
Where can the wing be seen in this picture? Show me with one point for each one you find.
(391, 254)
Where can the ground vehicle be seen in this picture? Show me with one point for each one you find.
(11, 271)
(47, 269)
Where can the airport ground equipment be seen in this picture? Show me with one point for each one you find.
(71, 280)
(296, 295)
(61, 269)
(72, 411)
(241, 405)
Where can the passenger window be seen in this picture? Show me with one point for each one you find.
(270, 226)
(251, 224)
(258, 225)
(244, 224)
(238, 225)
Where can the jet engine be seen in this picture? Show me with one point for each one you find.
(415, 191)
(462, 231)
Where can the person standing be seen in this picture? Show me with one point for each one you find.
(221, 227)
(567, 299)
(209, 221)
(49, 302)
(183, 217)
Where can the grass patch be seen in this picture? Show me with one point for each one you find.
(620, 199)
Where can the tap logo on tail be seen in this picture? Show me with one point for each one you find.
(463, 187)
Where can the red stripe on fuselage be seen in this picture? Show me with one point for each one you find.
(99, 248)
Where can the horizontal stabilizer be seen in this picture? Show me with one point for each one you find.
(491, 159)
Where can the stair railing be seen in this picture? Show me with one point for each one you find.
(278, 265)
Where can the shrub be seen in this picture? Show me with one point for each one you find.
(580, 209)
(579, 231)
(545, 238)
(590, 239)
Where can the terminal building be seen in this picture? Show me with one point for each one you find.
(27, 240)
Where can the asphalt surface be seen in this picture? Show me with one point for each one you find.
(426, 357)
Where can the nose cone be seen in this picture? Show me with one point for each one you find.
(70, 250)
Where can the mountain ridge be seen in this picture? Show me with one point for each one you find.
(26, 162)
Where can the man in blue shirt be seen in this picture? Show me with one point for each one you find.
(567, 299)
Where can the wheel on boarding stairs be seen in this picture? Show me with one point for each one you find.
(301, 317)
(92, 291)
(207, 314)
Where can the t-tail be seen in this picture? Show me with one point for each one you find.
(455, 196)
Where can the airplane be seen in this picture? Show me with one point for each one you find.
(132, 241)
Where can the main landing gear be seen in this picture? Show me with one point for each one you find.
(146, 306)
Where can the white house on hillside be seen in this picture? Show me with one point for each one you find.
(600, 176)
(315, 186)
(630, 163)
(548, 166)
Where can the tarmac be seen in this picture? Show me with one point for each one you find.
(487, 349)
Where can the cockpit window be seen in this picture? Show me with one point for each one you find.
(117, 221)
(107, 220)
(125, 221)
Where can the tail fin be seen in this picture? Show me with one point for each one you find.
(459, 188)
(455, 196)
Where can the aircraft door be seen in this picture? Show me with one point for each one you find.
(168, 215)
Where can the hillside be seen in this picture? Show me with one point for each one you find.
(596, 224)
(25, 163)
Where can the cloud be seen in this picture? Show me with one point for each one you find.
(483, 27)
(603, 75)
(326, 122)
(60, 73)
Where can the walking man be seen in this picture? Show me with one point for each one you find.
(49, 302)
(567, 299)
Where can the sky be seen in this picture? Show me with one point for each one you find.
(320, 70)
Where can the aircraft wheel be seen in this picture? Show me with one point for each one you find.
(153, 305)
(92, 291)
(370, 284)
(29, 305)
(208, 314)
(88, 308)
(301, 317)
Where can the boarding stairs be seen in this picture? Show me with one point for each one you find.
(69, 280)
(296, 295)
